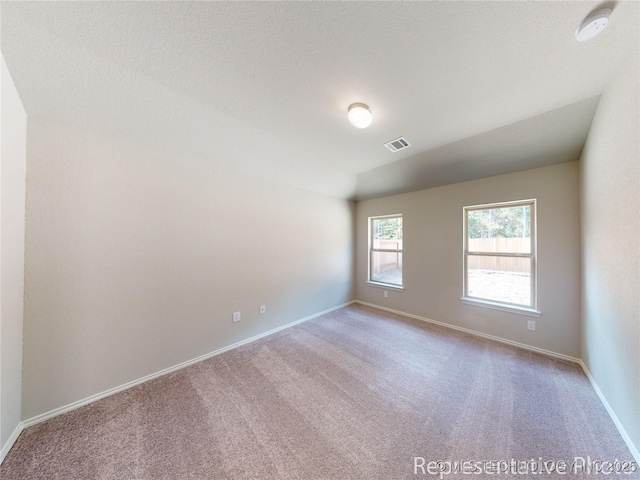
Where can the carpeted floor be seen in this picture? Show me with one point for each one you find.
(354, 394)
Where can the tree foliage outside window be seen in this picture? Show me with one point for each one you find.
(387, 228)
(508, 222)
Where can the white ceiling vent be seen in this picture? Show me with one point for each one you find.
(397, 144)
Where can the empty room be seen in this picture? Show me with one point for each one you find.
(205, 210)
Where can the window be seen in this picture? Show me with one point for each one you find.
(385, 250)
(500, 255)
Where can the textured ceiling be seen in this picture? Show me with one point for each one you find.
(263, 88)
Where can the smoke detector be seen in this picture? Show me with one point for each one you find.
(397, 144)
(592, 25)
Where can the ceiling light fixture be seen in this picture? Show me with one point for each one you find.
(593, 25)
(360, 115)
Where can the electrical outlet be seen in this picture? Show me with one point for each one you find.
(236, 317)
(386, 294)
(263, 309)
(531, 325)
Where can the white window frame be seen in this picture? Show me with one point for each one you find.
(372, 250)
(530, 310)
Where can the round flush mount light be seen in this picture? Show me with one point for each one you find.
(593, 25)
(360, 115)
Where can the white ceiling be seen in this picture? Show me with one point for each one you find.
(263, 88)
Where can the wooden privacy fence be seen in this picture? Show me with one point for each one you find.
(387, 260)
(384, 261)
(502, 245)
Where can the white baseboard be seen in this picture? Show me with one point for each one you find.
(93, 398)
(12, 439)
(112, 391)
(632, 448)
(548, 353)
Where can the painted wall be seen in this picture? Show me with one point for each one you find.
(433, 240)
(135, 263)
(610, 179)
(13, 139)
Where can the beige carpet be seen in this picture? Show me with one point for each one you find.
(354, 394)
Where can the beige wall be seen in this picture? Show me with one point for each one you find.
(433, 255)
(12, 173)
(610, 179)
(135, 263)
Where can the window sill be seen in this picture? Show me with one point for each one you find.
(529, 312)
(387, 286)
